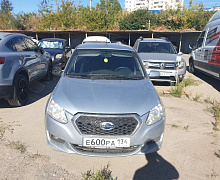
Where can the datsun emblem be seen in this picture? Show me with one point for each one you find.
(107, 125)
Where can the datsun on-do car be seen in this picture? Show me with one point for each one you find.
(105, 104)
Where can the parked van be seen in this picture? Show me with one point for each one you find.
(205, 55)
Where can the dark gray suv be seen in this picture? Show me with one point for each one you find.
(21, 62)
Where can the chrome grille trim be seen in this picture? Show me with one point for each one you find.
(105, 151)
(89, 124)
(161, 65)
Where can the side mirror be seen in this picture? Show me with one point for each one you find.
(154, 74)
(41, 49)
(191, 45)
(67, 48)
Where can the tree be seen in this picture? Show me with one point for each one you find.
(6, 7)
(6, 17)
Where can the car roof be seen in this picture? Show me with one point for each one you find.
(52, 39)
(105, 46)
(154, 40)
(96, 38)
(6, 34)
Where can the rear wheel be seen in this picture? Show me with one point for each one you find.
(21, 91)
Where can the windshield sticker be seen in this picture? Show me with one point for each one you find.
(106, 60)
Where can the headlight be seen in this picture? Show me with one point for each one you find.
(59, 56)
(181, 64)
(56, 112)
(156, 114)
(146, 64)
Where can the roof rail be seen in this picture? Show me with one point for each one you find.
(164, 38)
(141, 38)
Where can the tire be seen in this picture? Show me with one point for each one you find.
(191, 66)
(21, 91)
(49, 75)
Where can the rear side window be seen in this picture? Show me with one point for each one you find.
(31, 45)
(212, 37)
(17, 44)
(10, 46)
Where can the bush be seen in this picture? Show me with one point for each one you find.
(103, 174)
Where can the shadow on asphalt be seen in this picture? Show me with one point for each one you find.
(215, 83)
(157, 168)
(157, 83)
(38, 90)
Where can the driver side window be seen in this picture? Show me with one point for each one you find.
(200, 40)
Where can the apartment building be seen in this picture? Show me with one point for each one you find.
(132, 5)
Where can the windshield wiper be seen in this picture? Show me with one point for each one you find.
(119, 77)
(79, 76)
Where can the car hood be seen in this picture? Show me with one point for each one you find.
(53, 52)
(105, 96)
(158, 57)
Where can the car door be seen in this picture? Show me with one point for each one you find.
(200, 51)
(28, 58)
(212, 45)
(40, 58)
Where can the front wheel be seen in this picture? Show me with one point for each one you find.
(49, 75)
(191, 66)
(21, 91)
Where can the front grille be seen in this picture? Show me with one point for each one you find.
(90, 125)
(107, 151)
(162, 65)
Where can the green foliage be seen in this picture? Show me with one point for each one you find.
(190, 82)
(197, 97)
(215, 110)
(103, 174)
(107, 15)
(137, 20)
(177, 90)
(18, 145)
(6, 7)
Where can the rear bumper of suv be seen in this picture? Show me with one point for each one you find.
(6, 91)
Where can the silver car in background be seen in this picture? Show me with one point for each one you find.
(105, 104)
(22, 63)
(159, 54)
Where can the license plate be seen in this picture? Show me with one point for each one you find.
(164, 74)
(106, 142)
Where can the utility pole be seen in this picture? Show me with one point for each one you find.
(90, 5)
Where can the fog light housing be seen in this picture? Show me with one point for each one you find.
(54, 138)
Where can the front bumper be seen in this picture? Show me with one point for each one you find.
(67, 138)
(169, 75)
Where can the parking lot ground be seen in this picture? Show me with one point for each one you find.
(190, 147)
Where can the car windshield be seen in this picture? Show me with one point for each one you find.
(105, 64)
(49, 44)
(156, 47)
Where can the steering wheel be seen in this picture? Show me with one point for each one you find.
(121, 68)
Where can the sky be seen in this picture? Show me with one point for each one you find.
(32, 5)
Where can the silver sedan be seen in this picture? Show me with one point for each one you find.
(105, 104)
